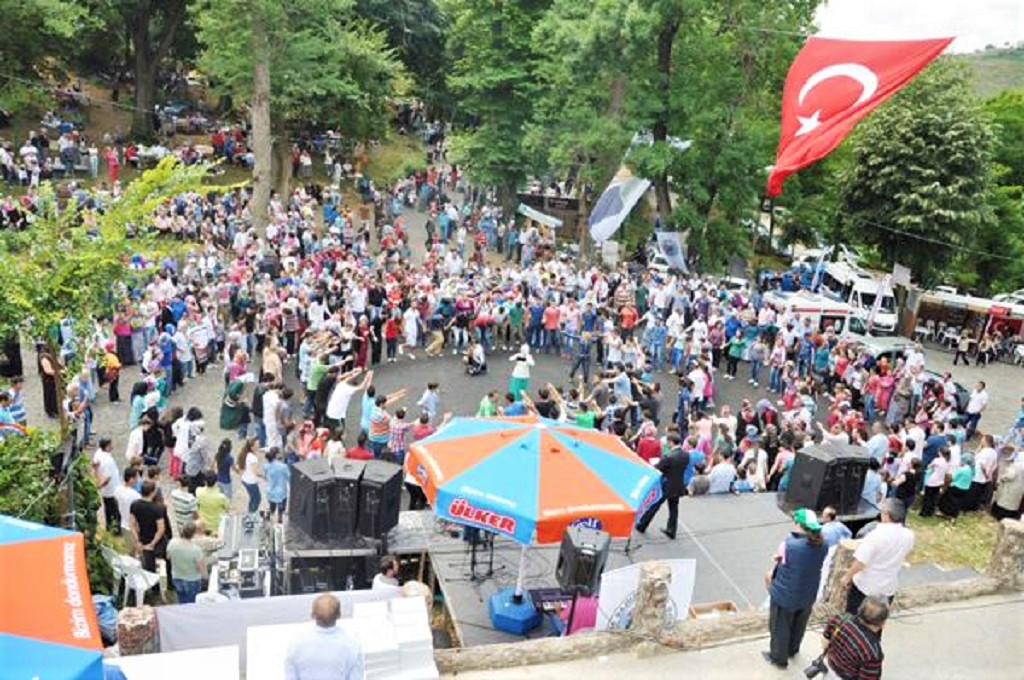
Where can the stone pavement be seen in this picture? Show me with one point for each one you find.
(975, 639)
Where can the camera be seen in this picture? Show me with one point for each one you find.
(816, 668)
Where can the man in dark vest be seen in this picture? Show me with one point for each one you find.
(793, 587)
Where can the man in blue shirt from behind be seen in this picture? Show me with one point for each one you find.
(324, 652)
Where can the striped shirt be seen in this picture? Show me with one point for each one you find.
(17, 407)
(854, 651)
(399, 439)
(380, 426)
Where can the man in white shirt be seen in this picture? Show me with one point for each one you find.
(125, 495)
(387, 577)
(324, 652)
(341, 395)
(976, 404)
(878, 557)
(107, 478)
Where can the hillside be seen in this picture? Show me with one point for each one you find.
(996, 70)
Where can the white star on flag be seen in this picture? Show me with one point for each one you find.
(808, 124)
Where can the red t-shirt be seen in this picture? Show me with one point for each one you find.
(648, 448)
(628, 317)
(358, 453)
(551, 316)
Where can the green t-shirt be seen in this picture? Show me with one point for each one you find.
(515, 316)
(487, 408)
(586, 419)
(185, 557)
(641, 298)
(212, 504)
(962, 477)
(317, 371)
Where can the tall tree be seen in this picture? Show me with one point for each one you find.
(492, 80)
(416, 30)
(304, 64)
(690, 69)
(37, 37)
(920, 174)
(151, 26)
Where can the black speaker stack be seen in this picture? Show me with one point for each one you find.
(829, 474)
(339, 515)
(581, 559)
(345, 499)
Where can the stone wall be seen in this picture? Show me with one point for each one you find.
(647, 636)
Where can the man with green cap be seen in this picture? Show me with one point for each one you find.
(793, 586)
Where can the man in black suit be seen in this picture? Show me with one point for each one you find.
(672, 466)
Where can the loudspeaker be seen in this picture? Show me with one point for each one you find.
(581, 559)
(309, 497)
(380, 498)
(322, 574)
(830, 474)
(345, 497)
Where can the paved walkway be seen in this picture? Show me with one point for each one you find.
(960, 641)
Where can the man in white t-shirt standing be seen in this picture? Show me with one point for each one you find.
(341, 395)
(107, 478)
(125, 495)
(878, 557)
(976, 404)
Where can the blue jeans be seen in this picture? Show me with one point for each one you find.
(775, 379)
(869, 407)
(755, 370)
(376, 448)
(657, 356)
(536, 337)
(186, 590)
(228, 491)
(254, 497)
(261, 432)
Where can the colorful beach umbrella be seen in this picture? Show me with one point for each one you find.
(48, 627)
(529, 478)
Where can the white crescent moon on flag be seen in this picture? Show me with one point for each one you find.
(862, 74)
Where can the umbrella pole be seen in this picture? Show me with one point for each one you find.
(517, 597)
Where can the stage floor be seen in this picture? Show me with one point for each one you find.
(732, 538)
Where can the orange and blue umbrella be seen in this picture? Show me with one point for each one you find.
(48, 627)
(528, 478)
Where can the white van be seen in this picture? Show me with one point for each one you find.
(822, 311)
(854, 286)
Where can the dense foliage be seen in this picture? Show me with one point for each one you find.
(27, 492)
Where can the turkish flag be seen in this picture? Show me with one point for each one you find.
(831, 85)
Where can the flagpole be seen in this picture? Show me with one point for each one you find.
(518, 596)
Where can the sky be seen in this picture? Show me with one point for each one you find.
(975, 23)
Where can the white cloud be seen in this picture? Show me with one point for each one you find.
(975, 23)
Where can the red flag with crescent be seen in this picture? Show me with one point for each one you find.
(831, 85)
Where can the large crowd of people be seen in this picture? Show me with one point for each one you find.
(326, 297)
(298, 319)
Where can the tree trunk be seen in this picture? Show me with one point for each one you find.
(145, 85)
(666, 38)
(283, 162)
(262, 141)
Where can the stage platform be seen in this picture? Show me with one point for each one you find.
(732, 538)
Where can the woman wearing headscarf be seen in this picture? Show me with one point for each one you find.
(234, 411)
(520, 382)
(954, 499)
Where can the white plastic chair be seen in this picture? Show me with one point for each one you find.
(117, 564)
(137, 580)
